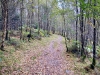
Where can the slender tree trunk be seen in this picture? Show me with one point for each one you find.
(38, 19)
(63, 15)
(76, 21)
(94, 39)
(4, 5)
(21, 33)
(7, 35)
(7, 31)
(65, 33)
(47, 18)
(30, 22)
(47, 26)
(82, 31)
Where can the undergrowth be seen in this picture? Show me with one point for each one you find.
(15, 49)
(81, 67)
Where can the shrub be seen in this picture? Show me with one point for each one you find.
(35, 26)
(36, 36)
(14, 33)
(98, 51)
(42, 33)
(15, 42)
(72, 46)
(25, 35)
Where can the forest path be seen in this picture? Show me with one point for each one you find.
(53, 60)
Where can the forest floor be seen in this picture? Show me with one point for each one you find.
(48, 60)
(45, 57)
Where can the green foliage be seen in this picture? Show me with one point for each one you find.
(35, 26)
(1, 56)
(72, 46)
(25, 34)
(88, 48)
(8, 61)
(35, 30)
(13, 33)
(42, 33)
(98, 65)
(98, 51)
(36, 36)
(14, 42)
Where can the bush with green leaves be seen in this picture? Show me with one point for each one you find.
(25, 35)
(42, 33)
(35, 26)
(14, 33)
(72, 46)
(98, 51)
(36, 36)
(14, 42)
(88, 48)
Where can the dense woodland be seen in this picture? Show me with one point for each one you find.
(78, 21)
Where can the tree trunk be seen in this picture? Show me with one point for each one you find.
(7, 31)
(38, 19)
(94, 39)
(47, 18)
(7, 35)
(65, 33)
(4, 5)
(76, 21)
(82, 31)
(21, 33)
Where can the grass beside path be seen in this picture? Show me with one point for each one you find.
(12, 56)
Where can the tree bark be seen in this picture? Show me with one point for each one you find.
(65, 33)
(76, 21)
(94, 39)
(38, 19)
(21, 33)
(47, 18)
(82, 31)
(4, 5)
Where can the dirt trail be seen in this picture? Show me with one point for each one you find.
(52, 61)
